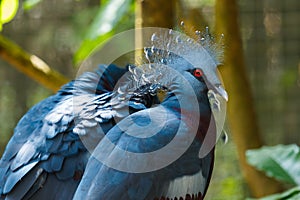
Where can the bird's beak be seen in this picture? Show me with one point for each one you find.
(221, 91)
(213, 83)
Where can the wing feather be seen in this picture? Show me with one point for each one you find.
(46, 137)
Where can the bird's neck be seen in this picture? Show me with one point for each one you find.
(181, 106)
(194, 115)
(187, 101)
(171, 101)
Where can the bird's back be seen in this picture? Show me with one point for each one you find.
(46, 152)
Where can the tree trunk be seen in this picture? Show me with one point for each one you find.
(152, 13)
(241, 112)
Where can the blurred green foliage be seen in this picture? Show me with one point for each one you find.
(105, 25)
(227, 181)
(8, 10)
(29, 4)
(289, 77)
(281, 162)
(292, 194)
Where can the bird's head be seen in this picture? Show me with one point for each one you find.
(194, 59)
(178, 64)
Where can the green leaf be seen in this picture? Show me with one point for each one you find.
(8, 10)
(289, 77)
(292, 194)
(88, 46)
(29, 4)
(281, 162)
(108, 16)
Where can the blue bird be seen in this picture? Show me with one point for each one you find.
(107, 135)
(165, 151)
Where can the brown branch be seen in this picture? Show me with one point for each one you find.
(30, 65)
(241, 112)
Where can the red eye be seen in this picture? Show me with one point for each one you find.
(198, 73)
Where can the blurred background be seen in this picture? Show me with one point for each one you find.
(58, 31)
